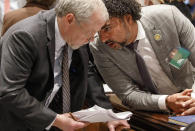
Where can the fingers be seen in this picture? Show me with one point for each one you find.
(176, 102)
(183, 98)
(78, 125)
(118, 124)
(181, 102)
(111, 127)
(192, 104)
(66, 122)
(189, 103)
(186, 92)
(190, 111)
(124, 123)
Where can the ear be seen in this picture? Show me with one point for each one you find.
(70, 18)
(128, 19)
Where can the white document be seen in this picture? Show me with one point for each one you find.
(107, 88)
(98, 114)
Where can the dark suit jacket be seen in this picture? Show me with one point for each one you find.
(95, 91)
(14, 16)
(26, 74)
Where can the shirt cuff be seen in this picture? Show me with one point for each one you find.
(48, 127)
(162, 102)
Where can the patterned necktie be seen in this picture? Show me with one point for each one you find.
(148, 83)
(65, 81)
(6, 6)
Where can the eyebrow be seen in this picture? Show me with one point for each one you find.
(106, 25)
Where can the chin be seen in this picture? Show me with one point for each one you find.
(74, 47)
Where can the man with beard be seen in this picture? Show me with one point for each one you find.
(133, 56)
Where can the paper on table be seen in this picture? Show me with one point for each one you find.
(98, 114)
(107, 88)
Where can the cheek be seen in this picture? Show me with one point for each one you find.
(77, 37)
(117, 35)
(80, 40)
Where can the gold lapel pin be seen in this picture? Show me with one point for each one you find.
(157, 37)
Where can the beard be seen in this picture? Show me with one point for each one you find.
(110, 42)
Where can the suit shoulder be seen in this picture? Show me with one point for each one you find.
(158, 10)
(159, 14)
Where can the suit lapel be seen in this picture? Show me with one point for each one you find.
(125, 60)
(50, 19)
(156, 38)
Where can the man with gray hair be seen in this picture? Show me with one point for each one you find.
(43, 72)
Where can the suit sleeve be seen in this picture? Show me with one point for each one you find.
(18, 56)
(121, 84)
(186, 32)
(95, 91)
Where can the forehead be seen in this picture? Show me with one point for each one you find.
(113, 20)
(95, 21)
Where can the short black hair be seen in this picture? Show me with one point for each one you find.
(120, 8)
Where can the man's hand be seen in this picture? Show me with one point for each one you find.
(66, 123)
(120, 124)
(176, 102)
(190, 104)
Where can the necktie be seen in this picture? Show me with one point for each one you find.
(65, 81)
(6, 6)
(148, 83)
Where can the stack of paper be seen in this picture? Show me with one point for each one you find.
(98, 114)
(107, 89)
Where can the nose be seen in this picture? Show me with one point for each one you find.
(103, 36)
(92, 39)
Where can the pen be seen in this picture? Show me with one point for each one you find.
(72, 116)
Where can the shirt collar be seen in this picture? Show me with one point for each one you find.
(59, 40)
(141, 32)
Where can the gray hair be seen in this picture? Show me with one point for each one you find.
(82, 9)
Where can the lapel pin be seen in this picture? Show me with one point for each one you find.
(157, 37)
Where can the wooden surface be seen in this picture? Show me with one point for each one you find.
(145, 121)
(95, 127)
(140, 121)
(101, 127)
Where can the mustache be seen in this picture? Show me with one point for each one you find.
(111, 42)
